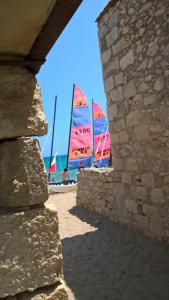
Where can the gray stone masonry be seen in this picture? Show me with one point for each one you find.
(110, 193)
(134, 45)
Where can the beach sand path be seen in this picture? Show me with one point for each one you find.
(106, 261)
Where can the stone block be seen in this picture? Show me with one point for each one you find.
(106, 56)
(120, 45)
(118, 78)
(131, 206)
(148, 78)
(109, 68)
(112, 36)
(21, 104)
(141, 132)
(30, 250)
(127, 60)
(126, 177)
(119, 125)
(159, 84)
(143, 87)
(112, 112)
(132, 164)
(129, 89)
(109, 84)
(147, 179)
(139, 192)
(118, 163)
(150, 99)
(103, 30)
(116, 95)
(143, 64)
(157, 228)
(115, 138)
(113, 19)
(134, 118)
(123, 137)
(152, 50)
(156, 128)
(166, 51)
(157, 196)
(122, 110)
(166, 179)
(150, 210)
(53, 292)
(23, 180)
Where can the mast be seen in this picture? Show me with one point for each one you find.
(93, 131)
(67, 164)
(53, 132)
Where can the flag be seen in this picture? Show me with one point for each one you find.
(52, 168)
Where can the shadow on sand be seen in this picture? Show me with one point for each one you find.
(114, 263)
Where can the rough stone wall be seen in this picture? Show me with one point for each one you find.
(30, 249)
(27, 186)
(21, 112)
(99, 190)
(134, 44)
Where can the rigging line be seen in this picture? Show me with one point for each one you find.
(47, 138)
(104, 142)
(99, 141)
(67, 165)
(53, 133)
(59, 156)
(60, 163)
(55, 154)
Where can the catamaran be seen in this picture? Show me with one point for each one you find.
(84, 135)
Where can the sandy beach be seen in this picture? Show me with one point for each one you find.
(106, 261)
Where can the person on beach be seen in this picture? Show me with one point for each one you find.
(65, 175)
(81, 166)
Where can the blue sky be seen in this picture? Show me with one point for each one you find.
(75, 58)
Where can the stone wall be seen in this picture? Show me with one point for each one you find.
(30, 249)
(134, 44)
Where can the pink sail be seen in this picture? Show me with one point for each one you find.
(79, 98)
(101, 137)
(80, 150)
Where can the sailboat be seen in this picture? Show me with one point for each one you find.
(80, 137)
(84, 133)
(89, 141)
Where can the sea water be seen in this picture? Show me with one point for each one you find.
(61, 162)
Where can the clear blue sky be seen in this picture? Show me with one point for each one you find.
(75, 58)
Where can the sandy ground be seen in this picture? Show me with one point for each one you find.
(106, 261)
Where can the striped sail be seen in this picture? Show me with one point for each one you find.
(101, 138)
(80, 148)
